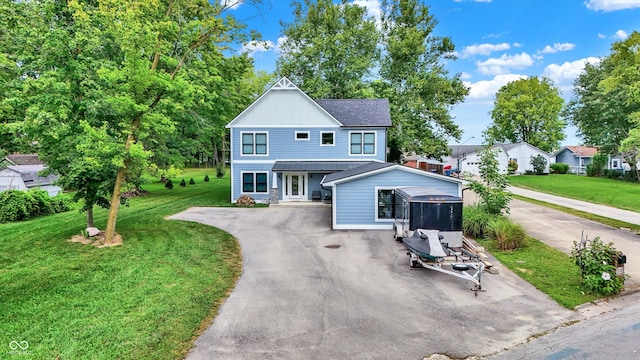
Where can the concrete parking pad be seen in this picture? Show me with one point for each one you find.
(307, 292)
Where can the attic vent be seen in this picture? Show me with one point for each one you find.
(284, 84)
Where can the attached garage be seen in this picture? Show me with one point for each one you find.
(363, 196)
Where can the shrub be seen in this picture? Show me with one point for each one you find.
(559, 168)
(16, 205)
(191, 182)
(508, 235)
(613, 173)
(168, 185)
(590, 171)
(13, 206)
(206, 178)
(475, 221)
(539, 164)
(219, 170)
(492, 188)
(512, 166)
(599, 162)
(183, 183)
(597, 262)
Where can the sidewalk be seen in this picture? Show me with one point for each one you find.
(631, 217)
(560, 230)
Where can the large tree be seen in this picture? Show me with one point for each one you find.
(330, 49)
(111, 80)
(528, 110)
(624, 79)
(414, 78)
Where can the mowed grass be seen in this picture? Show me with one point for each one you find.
(616, 193)
(548, 269)
(146, 299)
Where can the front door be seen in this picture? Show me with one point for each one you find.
(295, 187)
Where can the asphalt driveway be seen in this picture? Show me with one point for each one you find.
(307, 292)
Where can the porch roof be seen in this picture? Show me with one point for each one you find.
(317, 166)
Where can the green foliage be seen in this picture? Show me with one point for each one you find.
(206, 178)
(528, 110)
(183, 183)
(169, 185)
(494, 198)
(419, 88)
(559, 168)
(597, 262)
(16, 205)
(220, 170)
(507, 234)
(512, 166)
(330, 49)
(475, 222)
(599, 162)
(192, 182)
(539, 164)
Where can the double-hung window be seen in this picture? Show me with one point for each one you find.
(254, 143)
(362, 143)
(327, 138)
(385, 204)
(254, 182)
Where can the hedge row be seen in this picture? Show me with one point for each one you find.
(16, 205)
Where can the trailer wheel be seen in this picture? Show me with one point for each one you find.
(395, 235)
(413, 263)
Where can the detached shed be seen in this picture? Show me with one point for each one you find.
(26, 177)
(363, 196)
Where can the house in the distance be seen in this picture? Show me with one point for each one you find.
(577, 157)
(466, 158)
(424, 163)
(22, 172)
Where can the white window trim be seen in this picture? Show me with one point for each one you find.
(254, 142)
(375, 210)
(302, 132)
(333, 133)
(375, 142)
(242, 192)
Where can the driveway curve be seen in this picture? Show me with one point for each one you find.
(307, 292)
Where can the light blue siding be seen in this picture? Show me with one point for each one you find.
(354, 201)
(567, 157)
(282, 144)
(236, 180)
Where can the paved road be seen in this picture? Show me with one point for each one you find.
(307, 292)
(560, 229)
(614, 335)
(631, 217)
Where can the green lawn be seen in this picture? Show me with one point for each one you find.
(616, 193)
(146, 299)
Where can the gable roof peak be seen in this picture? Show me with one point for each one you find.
(284, 84)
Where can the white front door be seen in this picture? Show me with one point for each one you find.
(295, 187)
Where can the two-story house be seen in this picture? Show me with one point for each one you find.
(287, 147)
(285, 142)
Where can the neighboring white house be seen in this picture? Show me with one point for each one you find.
(466, 158)
(26, 177)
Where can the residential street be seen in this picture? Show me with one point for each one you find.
(614, 335)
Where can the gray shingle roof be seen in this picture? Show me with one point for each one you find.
(317, 166)
(372, 166)
(358, 112)
(30, 175)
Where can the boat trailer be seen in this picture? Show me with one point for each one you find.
(426, 249)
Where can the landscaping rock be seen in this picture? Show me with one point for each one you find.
(92, 231)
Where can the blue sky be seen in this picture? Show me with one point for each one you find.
(497, 41)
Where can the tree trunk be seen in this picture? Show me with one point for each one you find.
(115, 206)
(90, 216)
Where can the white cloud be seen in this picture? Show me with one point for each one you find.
(557, 47)
(231, 4)
(563, 75)
(502, 65)
(487, 89)
(601, 36)
(612, 5)
(621, 34)
(257, 47)
(465, 76)
(483, 49)
(374, 9)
